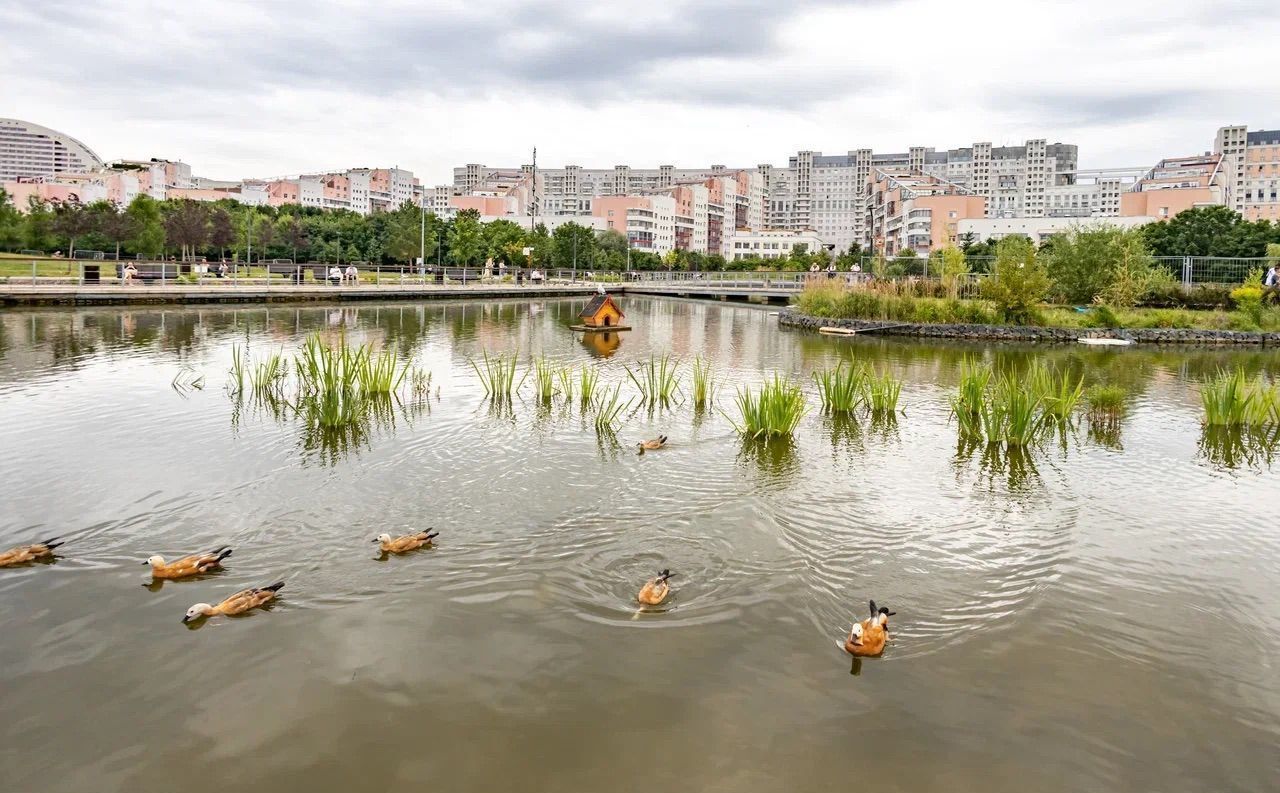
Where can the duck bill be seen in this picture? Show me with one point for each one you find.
(185, 619)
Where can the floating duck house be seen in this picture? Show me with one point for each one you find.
(601, 314)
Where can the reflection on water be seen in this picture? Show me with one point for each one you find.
(1044, 596)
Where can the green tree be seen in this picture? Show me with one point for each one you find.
(10, 223)
(186, 224)
(504, 241)
(1133, 273)
(466, 240)
(1018, 282)
(1082, 262)
(542, 244)
(148, 226)
(1202, 231)
(952, 267)
(113, 223)
(70, 220)
(294, 234)
(573, 245)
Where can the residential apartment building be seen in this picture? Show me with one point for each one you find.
(770, 244)
(1253, 170)
(909, 210)
(573, 189)
(1040, 229)
(828, 193)
(1177, 184)
(649, 222)
(30, 151)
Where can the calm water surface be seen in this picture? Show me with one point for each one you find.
(1101, 616)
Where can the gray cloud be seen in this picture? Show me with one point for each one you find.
(553, 48)
(1105, 106)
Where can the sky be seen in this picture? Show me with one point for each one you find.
(257, 89)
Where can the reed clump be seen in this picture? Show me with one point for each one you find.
(657, 379)
(775, 411)
(882, 394)
(1231, 399)
(588, 377)
(544, 379)
(842, 389)
(704, 383)
(1059, 393)
(1105, 401)
(608, 408)
(498, 375)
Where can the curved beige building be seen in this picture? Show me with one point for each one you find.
(30, 150)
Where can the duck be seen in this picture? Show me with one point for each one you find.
(187, 566)
(652, 443)
(656, 589)
(239, 603)
(867, 638)
(29, 553)
(409, 542)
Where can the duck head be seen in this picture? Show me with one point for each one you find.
(855, 634)
(382, 538)
(155, 561)
(196, 612)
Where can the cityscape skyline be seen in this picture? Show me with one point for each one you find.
(428, 88)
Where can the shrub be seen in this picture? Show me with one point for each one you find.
(1248, 301)
(1018, 282)
(1101, 316)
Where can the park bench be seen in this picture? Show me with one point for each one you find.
(154, 271)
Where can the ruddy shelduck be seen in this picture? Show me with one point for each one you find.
(239, 603)
(656, 589)
(867, 638)
(187, 566)
(406, 543)
(652, 443)
(29, 553)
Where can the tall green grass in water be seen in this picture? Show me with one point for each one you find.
(608, 408)
(498, 377)
(381, 373)
(1058, 393)
(882, 393)
(1105, 401)
(1002, 409)
(587, 380)
(325, 369)
(544, 379)
(704, 383)
(842, 389)
(658, 380)
(969, 402)
(1231, 399)
(774, 412)
(1020, 406)
(564, 375)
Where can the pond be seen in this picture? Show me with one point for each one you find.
(1103, 613)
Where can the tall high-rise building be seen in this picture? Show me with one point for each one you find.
(1252, 162)
(30, 151)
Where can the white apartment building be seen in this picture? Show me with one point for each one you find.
(1253, 170)
(1041, 229)
(29, 151)
(769, 243)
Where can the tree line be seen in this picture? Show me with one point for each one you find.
(229, 230)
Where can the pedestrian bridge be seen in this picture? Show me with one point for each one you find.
(767, 286)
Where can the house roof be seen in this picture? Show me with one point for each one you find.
(597, 303)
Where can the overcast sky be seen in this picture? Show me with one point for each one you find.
(257, 88)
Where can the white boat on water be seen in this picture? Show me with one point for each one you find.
(1105, 342)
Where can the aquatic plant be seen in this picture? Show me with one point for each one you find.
(658, 380)
(587, 380)
(843, 388)
(544, 379)
(381, 373)
(498, 375)
(322, 368)
(1105, 401)
(1059, 395)
(882, 393)
(237, 373)
(704, 383)
(1020, 408)
(269, 374)
(607, 410)
(419, 381)
(775, 411)
(565, 376)
(1230, 399)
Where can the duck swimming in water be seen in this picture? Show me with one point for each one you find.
(187, 566)
(409, 542)
(656, 590)
(867, 638)
(652, 443)
(29, 553)
(239, 603)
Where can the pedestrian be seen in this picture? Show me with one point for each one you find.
(352, 274)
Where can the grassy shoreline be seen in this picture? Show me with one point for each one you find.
(888, 302)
